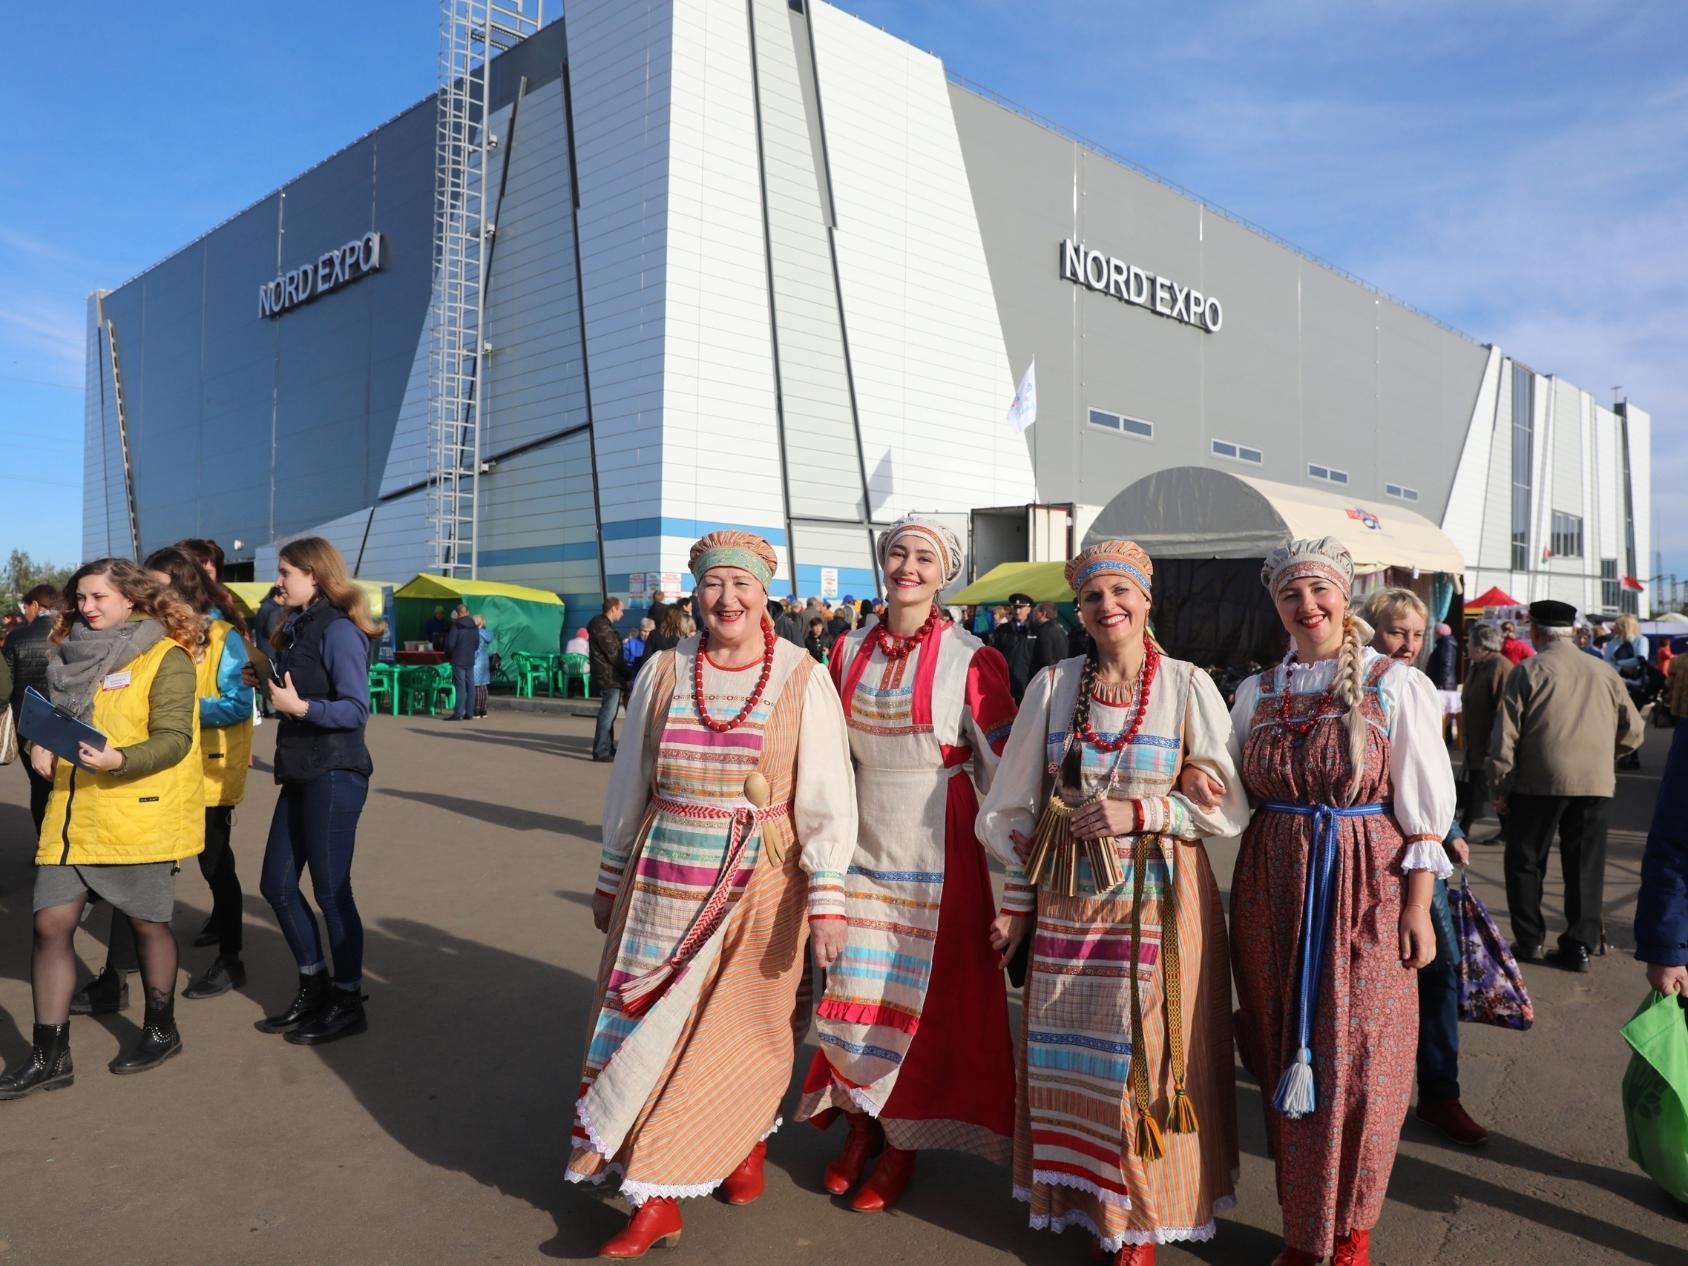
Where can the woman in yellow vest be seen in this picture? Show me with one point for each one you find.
(225, 751)
(122, 816)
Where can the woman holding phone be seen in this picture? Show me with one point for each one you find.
(318, 684)
(121, 816)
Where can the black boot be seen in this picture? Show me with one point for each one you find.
(47, 1068)
(207, 934)
(311, 998)
(105, 994)
(223, 975)
(159, 1040)
(343, 1018)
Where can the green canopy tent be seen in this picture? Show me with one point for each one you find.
(1041, 582)
(521, 619)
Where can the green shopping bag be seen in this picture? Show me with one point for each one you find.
(1655, 1091)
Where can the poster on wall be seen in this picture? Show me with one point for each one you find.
(829, 582)
(636, 584)
(670, 583)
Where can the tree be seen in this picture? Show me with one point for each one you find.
(22, 573)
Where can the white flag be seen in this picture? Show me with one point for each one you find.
(1023, 412)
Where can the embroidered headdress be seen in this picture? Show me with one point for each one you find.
(940, 538)
(733, 548)
(1124, 558)
(1326, 558)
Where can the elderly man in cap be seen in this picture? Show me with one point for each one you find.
(1017, 639)
(1563, 719)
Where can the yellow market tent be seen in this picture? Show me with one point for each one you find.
(1041, 582)
(251, 592)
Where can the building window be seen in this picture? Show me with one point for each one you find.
(1238, 452)
(1330, 474)
(1523, 459)
(1610, 592)
(1119, 422)
(1400, 492)
(1567, 541)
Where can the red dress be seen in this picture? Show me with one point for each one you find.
(913, 1027)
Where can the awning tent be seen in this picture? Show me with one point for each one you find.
(521, 619)
(1041, 582)
(251, 592)
(1491, 600)
(1197, 512)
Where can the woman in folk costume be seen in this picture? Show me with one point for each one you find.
(1341, 749)
(914, 1037)
(1126, 1123)
(730, 819)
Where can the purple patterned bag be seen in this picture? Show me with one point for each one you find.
(1491, 987)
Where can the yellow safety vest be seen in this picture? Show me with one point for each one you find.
(104, 819)
(225, 749)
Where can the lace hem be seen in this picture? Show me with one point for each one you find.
(1059, 1222)
(636, 1193)
(591, 1129)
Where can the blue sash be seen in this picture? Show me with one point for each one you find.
(1294, 1096)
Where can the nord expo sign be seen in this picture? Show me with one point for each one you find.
(333, 269)
(1131, 284)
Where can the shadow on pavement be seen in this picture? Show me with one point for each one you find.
(552, 744)
(497, 814)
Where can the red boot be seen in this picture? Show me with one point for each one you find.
(889, 1178)
(744, 1184)
(1135, 1255)
(657, 1221)
(1353, 1249)
(845, 1172)
(1295, 1257)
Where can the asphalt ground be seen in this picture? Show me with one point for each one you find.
(440, 1136)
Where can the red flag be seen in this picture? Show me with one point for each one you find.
(1630, 582)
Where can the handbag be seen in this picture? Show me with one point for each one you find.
(1655, 1091)
(8, 735)
(1491, 987)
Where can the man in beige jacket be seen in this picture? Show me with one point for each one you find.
(1565, 718)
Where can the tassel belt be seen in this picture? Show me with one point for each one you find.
(1295, 1097)
(638, 996)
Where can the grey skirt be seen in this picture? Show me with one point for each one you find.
(146, 890)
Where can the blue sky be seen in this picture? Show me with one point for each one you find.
(1518, 169)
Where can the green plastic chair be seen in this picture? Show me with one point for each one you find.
(531, 670)
(442, 690)
(384, 681)
(575, 666)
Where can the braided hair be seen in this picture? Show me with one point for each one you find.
(1072, 764)
(1349, 686)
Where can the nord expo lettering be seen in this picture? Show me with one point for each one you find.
(333, 269)
(1128, 283)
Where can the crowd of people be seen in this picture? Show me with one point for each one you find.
(796, 782)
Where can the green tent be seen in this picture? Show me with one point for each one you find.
(521, 619)
(1041, 582)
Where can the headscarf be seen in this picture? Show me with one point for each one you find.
(940, 538)
(733, 548)
(1326, 558)
(1121, 558)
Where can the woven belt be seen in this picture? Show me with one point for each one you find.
(718, 813)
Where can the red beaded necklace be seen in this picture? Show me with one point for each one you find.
(1302, 726)
(893, 647)
(721, 727)
(1087, 731)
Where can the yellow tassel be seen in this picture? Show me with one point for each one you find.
(1150, 1145)
(1182, 1119)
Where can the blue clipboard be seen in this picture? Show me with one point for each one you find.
(44, 725)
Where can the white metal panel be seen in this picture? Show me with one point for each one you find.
(933, 383)
(1496, 551)
(1590, 599)
(397, 546)
(1641, 489)
(619, 60)
(1541, 468)
(1608, 491)
(1464, 519)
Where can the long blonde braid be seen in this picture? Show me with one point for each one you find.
(1350, 681)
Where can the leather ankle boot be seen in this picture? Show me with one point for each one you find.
(311, 998)
(1134, 1255)
(158, 1042)
(1353, 1249)
(745, 1183)
(846, 1171)
(342, 1017)
(47, 1068)
(105, 994)
(890, 1176)
(223, 975)
(657, 1221)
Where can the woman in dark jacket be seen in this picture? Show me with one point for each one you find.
(321, 691)
(668, 633)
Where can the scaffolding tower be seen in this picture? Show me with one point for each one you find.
(472, 33)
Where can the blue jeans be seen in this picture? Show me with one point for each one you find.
(603, 738)
(315, 824)
(1438, 1008)
(463, 685)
